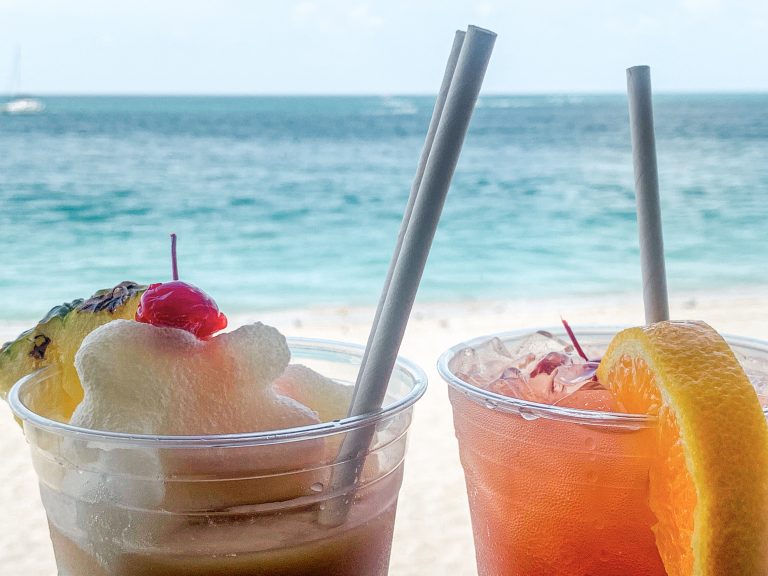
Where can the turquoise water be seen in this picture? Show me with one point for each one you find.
(285, 202)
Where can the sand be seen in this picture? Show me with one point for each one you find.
(432, 533)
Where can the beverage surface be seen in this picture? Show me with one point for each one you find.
(540, 367)
(548, 368)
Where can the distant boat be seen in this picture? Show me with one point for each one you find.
(22, 105)
(18, 104)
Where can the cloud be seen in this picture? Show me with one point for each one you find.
(304, 12)
(484, 9)
(362, 17)
(702, 7)
(334, 15)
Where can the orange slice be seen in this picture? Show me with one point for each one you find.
(709, 480)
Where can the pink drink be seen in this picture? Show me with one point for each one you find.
(557, 476)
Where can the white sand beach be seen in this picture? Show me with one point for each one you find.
(433, 534)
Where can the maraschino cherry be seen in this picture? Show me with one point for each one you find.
(177, 304)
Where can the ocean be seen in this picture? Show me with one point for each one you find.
(285, 202)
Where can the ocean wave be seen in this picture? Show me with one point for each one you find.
(295, 202)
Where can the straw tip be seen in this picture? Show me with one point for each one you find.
(478, 30)
(642, 69)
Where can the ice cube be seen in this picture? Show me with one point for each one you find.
(539, 344)
(539, 388)
(569, 378)
(550, 363)
(482, 365)
(578, 387)
(539, 368)
(512, 382)
(543, 352)
(565, 381)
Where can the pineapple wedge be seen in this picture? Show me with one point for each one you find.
(54, 342)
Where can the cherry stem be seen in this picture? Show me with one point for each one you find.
(572, 336)
(174, 264)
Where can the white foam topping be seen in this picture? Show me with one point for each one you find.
(144, 379)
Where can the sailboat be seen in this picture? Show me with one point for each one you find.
(19, 104)
(22, 105)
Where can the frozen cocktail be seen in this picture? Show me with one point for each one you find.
(200, 454)
(645, 460)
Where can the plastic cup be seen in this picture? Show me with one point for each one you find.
(556, 490)
(237, 504)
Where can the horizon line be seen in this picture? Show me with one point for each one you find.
(30, 94)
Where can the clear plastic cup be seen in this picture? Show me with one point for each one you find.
(556, 490)
(237, 504)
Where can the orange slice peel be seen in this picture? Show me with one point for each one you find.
(709, 480)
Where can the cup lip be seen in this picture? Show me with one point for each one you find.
(534, 410)
(346, 424)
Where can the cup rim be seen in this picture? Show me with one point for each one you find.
(346, 424)
(533, 410)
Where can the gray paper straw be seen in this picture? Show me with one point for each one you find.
(437, 112)
(385, 343)
(647, 193)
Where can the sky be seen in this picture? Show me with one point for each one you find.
(376, 47)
